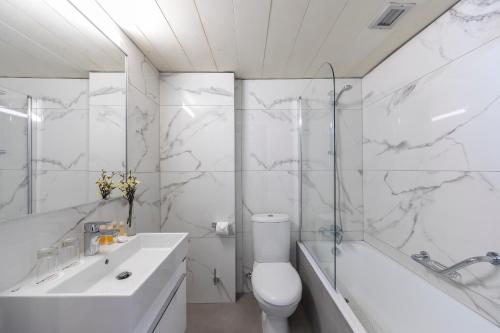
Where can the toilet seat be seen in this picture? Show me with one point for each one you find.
(277, 284)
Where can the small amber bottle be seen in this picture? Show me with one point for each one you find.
(109, 235)
(122, 228)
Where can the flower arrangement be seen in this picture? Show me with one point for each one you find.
(105, 184)
(128, 186)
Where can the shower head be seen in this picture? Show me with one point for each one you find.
(344, 89)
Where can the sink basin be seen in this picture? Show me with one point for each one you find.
(89, 297)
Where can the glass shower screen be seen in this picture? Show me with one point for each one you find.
(317, 156)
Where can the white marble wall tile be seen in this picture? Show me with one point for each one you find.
(271, 94)
(283, 94)
(197, 159)
(52, 93)
(12, 99)
(433, 211)
(107, 138)
(468, 25)
(143, 147)
(13, 138)
(141, 74)
(13, 193)
(350, 209)
(205, 255)
(177, 89)
(317, 139)
(238, 139)
(48, 149)
(146, 213)
(270, 192)
(197, 138)
(318, 202)
(436, 123)
(430, 163)
(239, 262)
(350, 139)
(269, 140)
(152, 81)
(317, 94)
(238, 94)
(247, 261)
(191, 201)
(317, 236)
(238, 187)
(53, 190)
(107, 89)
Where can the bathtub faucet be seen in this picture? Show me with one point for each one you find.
(451, 272)
(334, 231)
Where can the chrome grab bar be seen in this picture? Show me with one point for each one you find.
(424, 259)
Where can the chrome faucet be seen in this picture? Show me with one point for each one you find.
(334, 231)
(451, 272)
(91, 237)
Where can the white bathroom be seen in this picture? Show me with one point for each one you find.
(228, 166)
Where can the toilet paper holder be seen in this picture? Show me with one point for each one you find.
(214, 226)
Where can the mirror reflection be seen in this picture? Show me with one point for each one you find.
(62, 107)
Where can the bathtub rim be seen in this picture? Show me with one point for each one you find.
(344, 308)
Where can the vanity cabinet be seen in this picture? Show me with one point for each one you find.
(89, 297)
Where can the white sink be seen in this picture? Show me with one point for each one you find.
(89, 298)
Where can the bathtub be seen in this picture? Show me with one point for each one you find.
(375, 294)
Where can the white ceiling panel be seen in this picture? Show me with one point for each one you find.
(219, 22)
(252, 18)
(253, 38)
(347, 28)
(50, 38)
(319, 20)
(285, 24)
(145, 24)
(185, 22)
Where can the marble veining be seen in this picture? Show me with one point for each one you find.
(14, 194)
(197, 89)
(442, 135)
(188, 133)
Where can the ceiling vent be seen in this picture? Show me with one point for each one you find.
(391, 14)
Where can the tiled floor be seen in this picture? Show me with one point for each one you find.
(240, 317)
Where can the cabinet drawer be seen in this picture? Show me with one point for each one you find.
(174, 318)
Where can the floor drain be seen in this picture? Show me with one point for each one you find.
(123, 275)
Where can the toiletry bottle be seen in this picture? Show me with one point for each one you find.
(109, 234)
(122, 229)
(114, 229)
(102, 237)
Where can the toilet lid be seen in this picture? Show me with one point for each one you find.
(277, 283)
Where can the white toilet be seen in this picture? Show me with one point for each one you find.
(276, 284)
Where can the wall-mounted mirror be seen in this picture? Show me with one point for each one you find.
(62, 107)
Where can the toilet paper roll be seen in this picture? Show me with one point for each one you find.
(222, 228)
